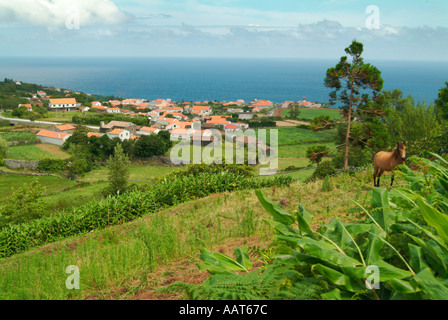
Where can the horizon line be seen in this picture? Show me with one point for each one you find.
(220, 57)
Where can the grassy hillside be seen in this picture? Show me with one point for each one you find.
(133, 260)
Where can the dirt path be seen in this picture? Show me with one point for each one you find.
(278, 112)
(291, 123)
(53, 149)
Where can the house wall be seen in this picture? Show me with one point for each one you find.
(58, 142)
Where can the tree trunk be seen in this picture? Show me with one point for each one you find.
(349, 122)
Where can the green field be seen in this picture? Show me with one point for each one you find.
(52, 184)
(310, 114)
(293, 135)
(63, 116)
(10, 135)
(35, 152)
(137, 172)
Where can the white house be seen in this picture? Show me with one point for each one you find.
(66, 104)
(177, 134)
(147, 131)
(113, 110)
(119, 133)
(242, 125)
(57, 138)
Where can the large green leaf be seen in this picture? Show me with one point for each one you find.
(324, 251)
(383, 212)
(402, 286)
(332, 295)
(341, 280)
(219, 263)
(416, 259)
(284, 229)
(389, 272)
(304, 218)
(433, 254)
(432, 287)
(375, 245)
(275, 210)
(434, 218)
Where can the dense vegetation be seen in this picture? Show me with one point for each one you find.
(398, 251)
(169, 191)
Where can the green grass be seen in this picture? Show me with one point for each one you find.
(293, 135)
(52, 184)
(299, 150)
(60, 116)
(137, 172)
(310, 114)
(33, 153)
(17, 135)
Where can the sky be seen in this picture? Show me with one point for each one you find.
(321, 29)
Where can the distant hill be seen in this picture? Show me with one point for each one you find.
(14, 92)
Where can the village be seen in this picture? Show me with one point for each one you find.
(182, 120)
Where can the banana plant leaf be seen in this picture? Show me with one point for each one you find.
(339, 279)
(218, 263)
(383, 212)
(432, 287)
(434, 218)
(325, 251)
(284, 229)
(275, 210)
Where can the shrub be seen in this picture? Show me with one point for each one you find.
(323, 170)
(118, 172)
(317, 153)
(52, 165)
(356, 157)
(25, 204)
(3, 148)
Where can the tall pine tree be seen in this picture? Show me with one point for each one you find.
(354, 84)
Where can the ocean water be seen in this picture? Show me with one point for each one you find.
(199, 79)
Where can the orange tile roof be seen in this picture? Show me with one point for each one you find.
(91, 134)
(179, 131)
(65, 127)
(148, 129)
(116, 131)
(52, 134)
(99, 107)
(262, 103)
(201, 108)
(63, 101)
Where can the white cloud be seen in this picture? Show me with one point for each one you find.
(55, 13)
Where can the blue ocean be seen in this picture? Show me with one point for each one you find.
(199, 79)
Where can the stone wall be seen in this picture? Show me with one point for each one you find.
(21, 164)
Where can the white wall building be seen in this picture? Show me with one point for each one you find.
(67, 104)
